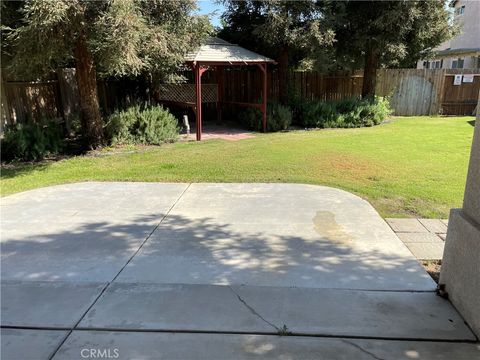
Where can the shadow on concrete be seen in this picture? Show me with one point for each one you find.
(184, 250)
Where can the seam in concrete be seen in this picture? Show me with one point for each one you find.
(253, 311)
(119, 272)
(264, 333)
(418, 220)
(78, 322)
(362, 349)
(151, 233)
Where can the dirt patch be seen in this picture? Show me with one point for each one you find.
(433, 268)
(350, 167)
(352, 163)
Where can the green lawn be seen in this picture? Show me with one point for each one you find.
(412, 166)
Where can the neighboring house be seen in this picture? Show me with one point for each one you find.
(462, 51)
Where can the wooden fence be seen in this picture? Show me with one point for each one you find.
(59, 99)
(411, 91)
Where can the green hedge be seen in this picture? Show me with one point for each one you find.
(348, 113)
(141, 124)
(278, 118)
(32, 141)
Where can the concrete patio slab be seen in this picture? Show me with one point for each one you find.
(419, 238)
(427, 251)
(252, 309)
(434, 225)
(93, 251)
(309, 257)
(406, 225)
(85, 231)
(276, 235)
(30, 344)
(276, 257)
(46, 304)
(88, 201)
(221, 346)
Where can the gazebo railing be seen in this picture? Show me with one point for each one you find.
(185, 93)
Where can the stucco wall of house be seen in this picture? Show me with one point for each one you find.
(469, 37)
(470, 26)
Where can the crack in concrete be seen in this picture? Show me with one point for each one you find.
(253, 311)
(362, 349)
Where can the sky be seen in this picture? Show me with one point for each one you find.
(213, 9)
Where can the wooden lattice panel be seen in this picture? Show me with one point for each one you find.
(185, 93)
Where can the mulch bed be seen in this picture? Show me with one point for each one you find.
(433, 268)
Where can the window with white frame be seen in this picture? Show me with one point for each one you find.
(458, 63)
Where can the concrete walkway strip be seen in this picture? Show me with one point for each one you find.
(45, 303)
(407, 225)
(174, 346)
(250, 309)
(30, 344)
(172, 307)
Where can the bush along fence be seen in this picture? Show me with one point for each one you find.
(410, 91)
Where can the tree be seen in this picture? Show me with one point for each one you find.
(111, 38)
(285, 30)
(385, 33)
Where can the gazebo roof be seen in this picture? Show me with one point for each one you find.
(216, 50)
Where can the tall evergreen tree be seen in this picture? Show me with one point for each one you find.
(106, 37)
(284, 30)
(371, 34)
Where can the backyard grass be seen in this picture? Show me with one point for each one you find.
(412, 166)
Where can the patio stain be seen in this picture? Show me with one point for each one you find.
(325, 224)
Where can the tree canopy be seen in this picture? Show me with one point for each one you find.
(339, 35)
(371, 34)
(125, 37)
(108, 37)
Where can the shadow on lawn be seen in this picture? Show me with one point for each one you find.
(12, 170)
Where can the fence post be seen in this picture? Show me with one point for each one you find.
(6, 119)
(60, 99)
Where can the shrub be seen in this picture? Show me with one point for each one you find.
(31, 141)
(353, 112)
(278, 118)
(141, 124)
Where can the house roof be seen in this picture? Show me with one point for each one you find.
(457, 51)
(216, 50)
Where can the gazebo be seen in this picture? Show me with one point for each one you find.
(216, 53)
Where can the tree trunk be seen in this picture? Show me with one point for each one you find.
(283, 75)
(372, 60)
(87, 88)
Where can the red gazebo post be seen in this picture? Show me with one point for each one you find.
(219, 77)
(263, 67)
(199, 70)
